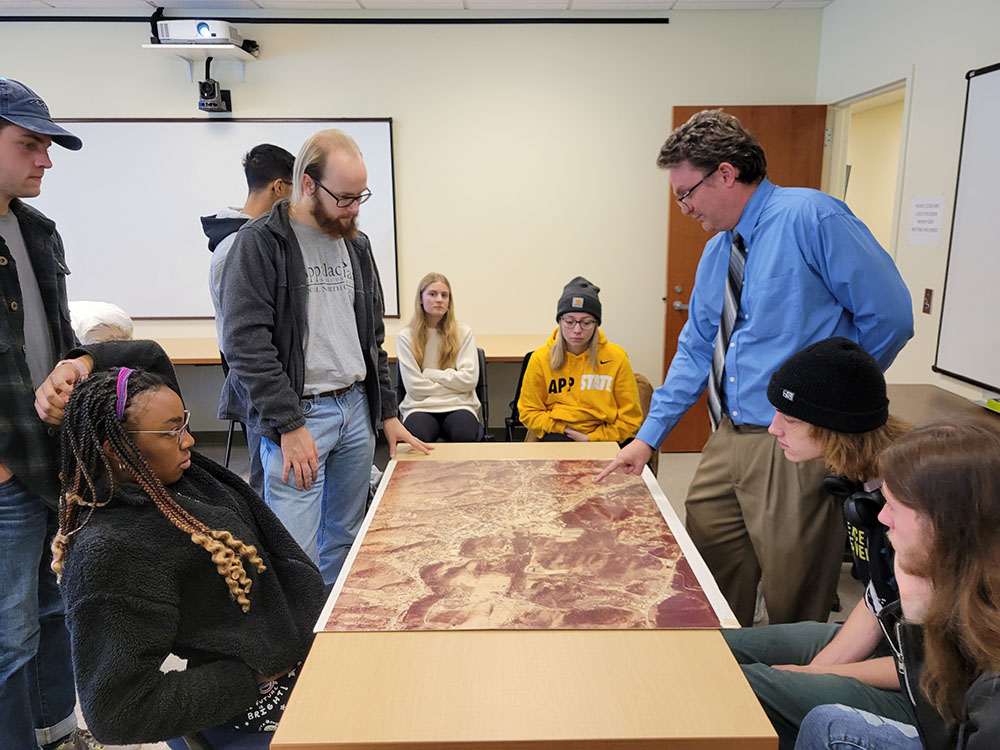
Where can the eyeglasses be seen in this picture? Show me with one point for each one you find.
(585, 325)
(345, 201)
(178, 433)
(680, 201)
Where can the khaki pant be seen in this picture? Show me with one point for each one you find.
(756, 516)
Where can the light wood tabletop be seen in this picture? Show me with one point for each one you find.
(498, 347)
(521, 689)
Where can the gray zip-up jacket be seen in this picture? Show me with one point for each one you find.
(263, 294)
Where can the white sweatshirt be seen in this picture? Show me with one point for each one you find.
(432, 389)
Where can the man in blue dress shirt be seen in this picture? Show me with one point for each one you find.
(812, 271)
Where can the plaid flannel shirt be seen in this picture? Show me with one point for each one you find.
(28, 446)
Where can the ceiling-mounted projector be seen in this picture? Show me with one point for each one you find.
(198, 32)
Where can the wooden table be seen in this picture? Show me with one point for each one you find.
(497, 346)
(526, 690)
(926, 404)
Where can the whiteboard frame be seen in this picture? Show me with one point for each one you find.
(943, 319)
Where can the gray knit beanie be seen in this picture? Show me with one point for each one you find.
(580, 295)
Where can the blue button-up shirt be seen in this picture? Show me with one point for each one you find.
(813, 271)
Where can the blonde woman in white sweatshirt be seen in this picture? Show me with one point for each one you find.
(437, 360)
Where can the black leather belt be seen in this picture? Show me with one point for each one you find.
(336, 393)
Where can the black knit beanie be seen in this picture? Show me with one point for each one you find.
(580, 295)
(834, 384)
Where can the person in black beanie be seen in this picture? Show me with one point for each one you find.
(579, 386)
(830, 400)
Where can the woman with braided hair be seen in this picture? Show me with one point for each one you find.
(162, 551)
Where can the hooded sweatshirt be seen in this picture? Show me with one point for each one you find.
(602, 403)
(221, 231)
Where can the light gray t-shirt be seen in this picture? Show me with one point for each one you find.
(332, 348)
(37, 336)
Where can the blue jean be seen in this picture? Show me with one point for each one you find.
(223, 737)
(37, 695)
(325, 519)
(837, 727)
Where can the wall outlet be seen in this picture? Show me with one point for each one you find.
(928, 295)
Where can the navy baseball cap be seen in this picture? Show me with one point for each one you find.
(22, 106)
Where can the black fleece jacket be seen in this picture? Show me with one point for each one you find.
(136, 589)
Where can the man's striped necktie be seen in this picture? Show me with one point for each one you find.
(730, 306)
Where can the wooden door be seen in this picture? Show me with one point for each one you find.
(792, 137)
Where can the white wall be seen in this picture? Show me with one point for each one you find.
(868, 44)
(524, 154)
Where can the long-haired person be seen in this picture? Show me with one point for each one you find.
(579, 386)
(161, 551)
(438, 363)
(942, 510)
(831, 405)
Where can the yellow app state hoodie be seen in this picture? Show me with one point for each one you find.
(601, 403)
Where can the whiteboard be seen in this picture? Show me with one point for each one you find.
(128, 205)
(969, 336)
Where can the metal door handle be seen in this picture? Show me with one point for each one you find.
(678, 305)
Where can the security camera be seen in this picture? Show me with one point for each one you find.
(212, 98)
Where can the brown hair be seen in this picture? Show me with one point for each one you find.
(711, 137)
(949, 473)
(447, 327)
(91, 420)
(855, 455)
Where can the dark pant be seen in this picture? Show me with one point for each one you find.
(459, 426)
(786, 696)
(756, 516)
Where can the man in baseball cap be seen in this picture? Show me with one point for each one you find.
(22, 106)
(37, 696)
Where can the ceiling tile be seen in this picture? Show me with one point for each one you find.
(724, 4)
(208, 4)
(309, 4)
(803, 3)
(99, 4)
(411, 4)
(621, 5)
(516, 5)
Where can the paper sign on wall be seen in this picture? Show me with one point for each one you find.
(925, 220)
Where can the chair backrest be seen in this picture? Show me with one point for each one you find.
(482, 390)
(513, 420)
(400, 388)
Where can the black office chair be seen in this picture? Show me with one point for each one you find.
(482, 393)
(513, 421)
(232, 422)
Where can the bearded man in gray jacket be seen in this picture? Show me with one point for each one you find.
(303, 334)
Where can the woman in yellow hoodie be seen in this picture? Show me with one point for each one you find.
(579, 386)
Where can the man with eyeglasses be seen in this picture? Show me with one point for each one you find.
(786, 267)
(268, 169)
(303, 335)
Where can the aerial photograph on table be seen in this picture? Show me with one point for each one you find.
(512, 544)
